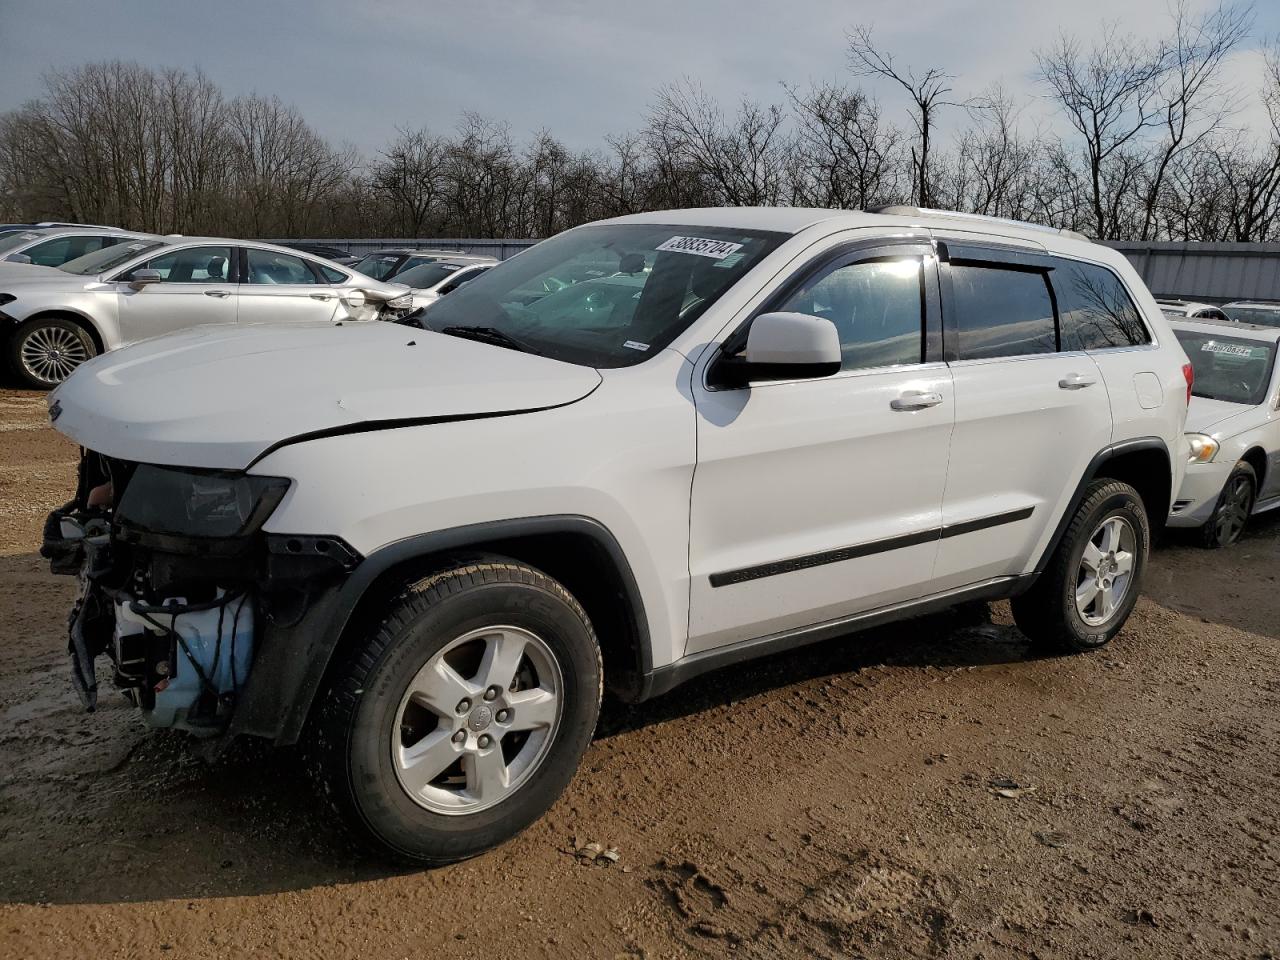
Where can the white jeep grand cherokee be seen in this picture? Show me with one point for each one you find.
(637, 451)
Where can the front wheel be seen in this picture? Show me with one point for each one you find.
(45, 351)
(464, 716)
(1235, 503)
(1091, 584)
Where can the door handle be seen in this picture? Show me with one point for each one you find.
(916, 400)
(220, 294)
(1076, 381)
(321, 296)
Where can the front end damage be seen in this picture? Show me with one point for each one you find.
(178, 583)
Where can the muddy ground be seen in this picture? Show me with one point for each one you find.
(835, 802)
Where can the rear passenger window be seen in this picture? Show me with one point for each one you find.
(1001, 312)
(877, 307)
(1094, 308)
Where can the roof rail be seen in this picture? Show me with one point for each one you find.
(899, 209)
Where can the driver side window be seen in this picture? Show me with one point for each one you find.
(877, 307)
(192, 265)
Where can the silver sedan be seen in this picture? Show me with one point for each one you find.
(52, 320)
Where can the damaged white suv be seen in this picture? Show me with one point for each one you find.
(638, 451)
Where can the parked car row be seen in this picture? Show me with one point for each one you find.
(70, 293)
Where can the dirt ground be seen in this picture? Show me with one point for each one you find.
(838, 802)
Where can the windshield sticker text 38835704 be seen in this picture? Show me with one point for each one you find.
(715, 249)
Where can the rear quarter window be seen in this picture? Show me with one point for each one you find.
(1095, 310)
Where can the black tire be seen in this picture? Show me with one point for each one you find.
(73, 342)
(1047, 613)
(351, 738)
(1231, 513)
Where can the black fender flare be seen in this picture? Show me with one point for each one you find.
(1092, 471)
(292, 660)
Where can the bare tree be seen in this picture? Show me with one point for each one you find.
(410, 173)
(1110, 97)
(928, 91)
(845, 154)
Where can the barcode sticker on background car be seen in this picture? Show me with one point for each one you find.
(635, 345)
(715, 249)
(1230, 349)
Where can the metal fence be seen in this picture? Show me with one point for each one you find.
(501, 249)
(1213, 272)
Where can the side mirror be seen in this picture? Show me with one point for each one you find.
(140, 278)
(18, 258)
(783, 346)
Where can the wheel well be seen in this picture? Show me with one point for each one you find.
(75, 318)
(1258, 460)
(585, 567)
(1149, 472)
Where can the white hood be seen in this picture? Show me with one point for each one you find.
(220, 396)
(24, 271)
(1211, 416)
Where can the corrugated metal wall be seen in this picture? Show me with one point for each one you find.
(1193, 271)
(1207, 271)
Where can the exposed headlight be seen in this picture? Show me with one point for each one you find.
(6, 298)
(401, 303)
(205, 503)
(1203, 448)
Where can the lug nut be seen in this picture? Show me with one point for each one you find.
(503, 716)
(485, 740)
(492, 693)
(460, 736)
(464, 706)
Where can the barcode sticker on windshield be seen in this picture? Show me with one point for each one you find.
(715, 249)
(635, 345)
(1229, 349)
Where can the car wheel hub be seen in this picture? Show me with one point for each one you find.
(1106, 571)
(477, 720)
(50, 354)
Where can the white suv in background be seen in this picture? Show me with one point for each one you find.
(428, 549)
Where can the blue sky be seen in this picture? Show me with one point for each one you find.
(358, 70)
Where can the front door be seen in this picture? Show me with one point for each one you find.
(196, 287)
(282, 288)
(816, 499)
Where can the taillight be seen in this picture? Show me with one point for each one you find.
(1189, 374)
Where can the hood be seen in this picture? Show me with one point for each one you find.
(31, 271)
(1212, 416)
(220, 397)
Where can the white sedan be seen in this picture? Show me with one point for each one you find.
(1233, 425)
(428, 282)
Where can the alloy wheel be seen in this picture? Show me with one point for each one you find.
(1233, 512)
(1106, 571)
(477, 720)
(50, 354)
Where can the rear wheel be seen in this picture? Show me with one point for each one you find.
(1235, 503)
(1091, 583)
(45, 351)
(464, 715)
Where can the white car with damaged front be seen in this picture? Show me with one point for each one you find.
(639, 450)
(1234, 424)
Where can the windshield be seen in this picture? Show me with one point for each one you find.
(10, 241)
(1263, 316)
(426, 275)
(608, 295)
(108, 257)
(1233, 369)
(377, 265)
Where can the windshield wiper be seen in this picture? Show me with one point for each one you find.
(491, 335)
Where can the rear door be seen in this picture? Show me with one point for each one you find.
(283, 288)
(1028, 416)
(816, 499)
(197, 286)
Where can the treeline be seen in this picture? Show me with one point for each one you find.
(1147, 143)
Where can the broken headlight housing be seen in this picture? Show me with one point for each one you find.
(209, 504)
